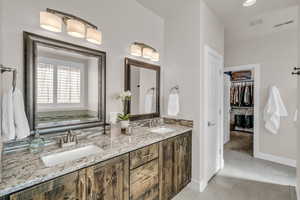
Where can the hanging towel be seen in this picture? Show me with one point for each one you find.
(20, 119)
(173, 105)
(295, 118)
(149, 102)
(8, 126)
(274, 110)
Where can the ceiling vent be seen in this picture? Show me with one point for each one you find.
(256, 22)
(283, 24)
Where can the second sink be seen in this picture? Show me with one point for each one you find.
(75, 154)
(161, 130)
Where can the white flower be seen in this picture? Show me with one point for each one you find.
(125, 95)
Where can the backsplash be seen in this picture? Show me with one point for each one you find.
(181, 122)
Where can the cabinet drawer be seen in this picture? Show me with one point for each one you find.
(144, 155)
(144, 182)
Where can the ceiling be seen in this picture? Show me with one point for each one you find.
(236, 18)
(247, 22)
(164, 8)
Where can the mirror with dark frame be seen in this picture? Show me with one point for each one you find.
(65, 85)
(143, 80)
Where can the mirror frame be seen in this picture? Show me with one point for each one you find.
(30, 58)
(131, 62)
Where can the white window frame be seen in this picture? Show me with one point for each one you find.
(83, 82)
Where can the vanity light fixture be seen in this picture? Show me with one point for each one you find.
(94, 36)
(249, 3)
(141, 49)
(52, 20)
(147, 52)
(136, 50)
(155, 56)
(75, 28)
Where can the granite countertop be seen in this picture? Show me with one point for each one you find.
(23, 169)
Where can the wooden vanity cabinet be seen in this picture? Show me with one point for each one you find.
(108, 180)
(167, 170)
(155, 172)
(175, 160)
(67, 187)
(183, 161)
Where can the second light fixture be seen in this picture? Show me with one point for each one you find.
(141, 49)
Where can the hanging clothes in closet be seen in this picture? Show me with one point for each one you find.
(241, 94)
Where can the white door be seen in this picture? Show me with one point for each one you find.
(298, 131)
(214, 136)
(227, 85)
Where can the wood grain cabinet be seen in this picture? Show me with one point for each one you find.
(105, 181)
(175, 160)
(67, 187)
(183, 161)
(155, 172)
(108, 180)
(144, 182)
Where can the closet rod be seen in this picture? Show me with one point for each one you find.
(243, 81)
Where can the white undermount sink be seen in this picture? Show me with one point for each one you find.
(75, 154)
(161, 130)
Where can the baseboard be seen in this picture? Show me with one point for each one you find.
(276, 159)
(203, 185)
(198, 186)
(297, 191)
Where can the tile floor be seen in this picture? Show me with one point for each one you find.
(247, 178)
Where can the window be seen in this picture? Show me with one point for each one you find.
(59, 83)
(45, 83)
(68, 84)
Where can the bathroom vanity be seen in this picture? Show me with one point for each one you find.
(145, 165)
(151, 163)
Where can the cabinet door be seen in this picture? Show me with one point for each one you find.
(166, 167)
(108, 180)
(183, 161)
(144, 182)
(64, 188)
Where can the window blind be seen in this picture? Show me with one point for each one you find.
(68, 85)
(45, 82)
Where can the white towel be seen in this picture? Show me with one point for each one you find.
(274, 110)
(295, 119)
(149, 102)
(8, 125)
(20, 119)
(173, 105)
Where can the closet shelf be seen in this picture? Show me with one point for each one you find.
(242, 107)
(243, 81)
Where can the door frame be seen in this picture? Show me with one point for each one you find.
(208, 50)
(255, 68)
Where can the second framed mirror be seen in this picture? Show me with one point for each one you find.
(143, 80)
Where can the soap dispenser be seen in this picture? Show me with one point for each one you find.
(37, 143)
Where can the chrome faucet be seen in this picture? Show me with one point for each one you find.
(68, 140)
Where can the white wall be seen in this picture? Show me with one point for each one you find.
(182, 68)
(186, 33)
(277, 54)
(121, 22)
(212, 35)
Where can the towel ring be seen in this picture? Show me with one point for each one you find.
(174, 89)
